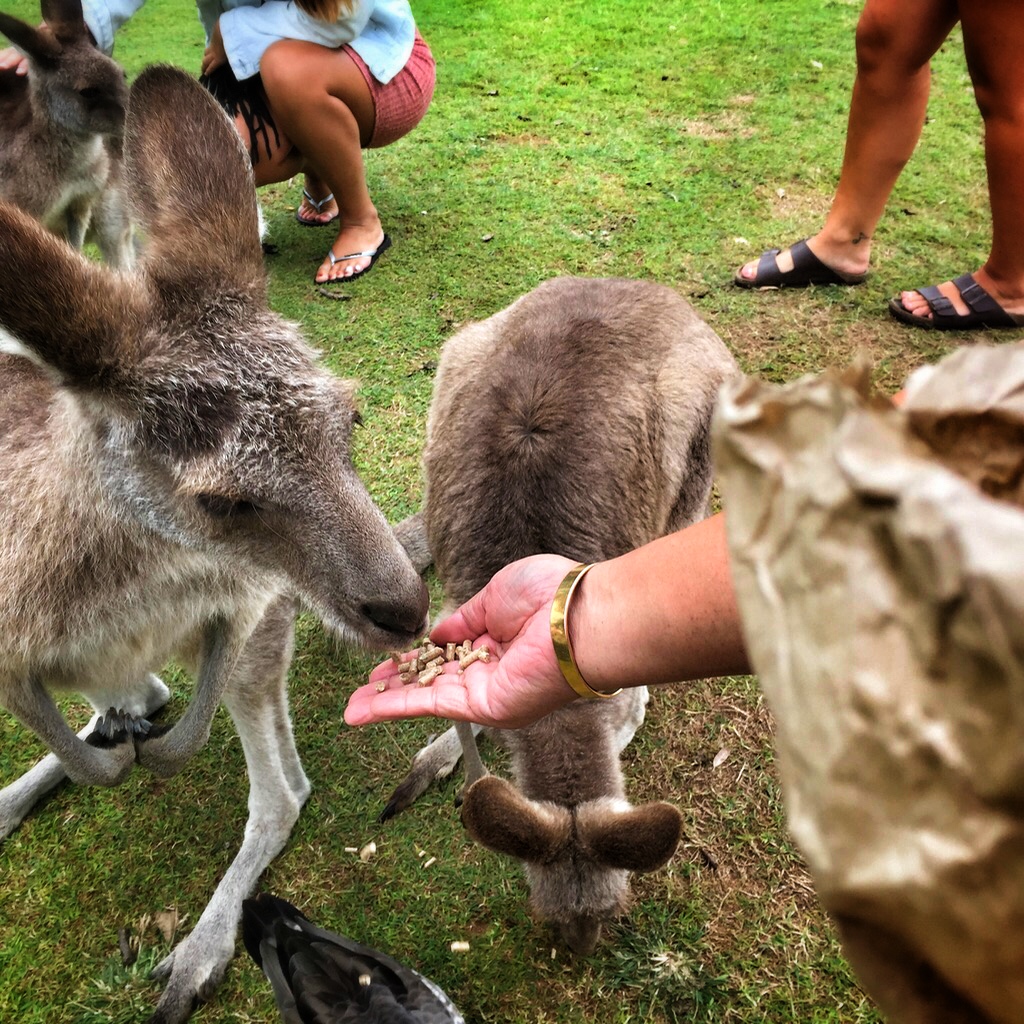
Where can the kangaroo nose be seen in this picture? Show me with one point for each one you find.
(397, 615)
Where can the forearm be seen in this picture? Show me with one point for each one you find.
(663, 613)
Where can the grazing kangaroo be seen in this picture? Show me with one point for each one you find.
(175, 477)
(60, 132)
(575, 421)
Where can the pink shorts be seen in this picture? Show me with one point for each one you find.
(401, 104)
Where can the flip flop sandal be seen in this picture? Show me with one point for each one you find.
(985, 312)
(373, 254)
(807, 269)
(318, 205)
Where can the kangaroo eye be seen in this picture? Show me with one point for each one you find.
(90, 94)
(218, 506)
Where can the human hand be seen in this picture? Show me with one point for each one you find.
(214, 55)
(12, 58)
(511, 615)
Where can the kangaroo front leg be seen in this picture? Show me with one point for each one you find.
(472, 764)
(258, 702)
(166, 751)
(17, 799)
(85, 763)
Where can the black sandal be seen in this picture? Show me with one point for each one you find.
(985, 312)
(807, 269)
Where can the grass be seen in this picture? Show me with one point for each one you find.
(670, 142)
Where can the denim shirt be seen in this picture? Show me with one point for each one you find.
(380, 31)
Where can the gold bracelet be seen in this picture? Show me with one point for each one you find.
(560, 634)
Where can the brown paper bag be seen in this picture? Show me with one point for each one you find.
(878, 556)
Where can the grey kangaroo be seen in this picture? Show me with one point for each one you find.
(575, 421)
(61, 130)
(175, 478)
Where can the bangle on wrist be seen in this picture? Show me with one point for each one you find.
(560, 635)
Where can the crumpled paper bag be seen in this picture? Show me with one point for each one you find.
(878, 558)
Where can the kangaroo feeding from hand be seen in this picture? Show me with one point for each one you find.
(175, 480)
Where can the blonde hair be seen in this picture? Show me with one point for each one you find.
(325, 10)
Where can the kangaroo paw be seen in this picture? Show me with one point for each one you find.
(117, 727)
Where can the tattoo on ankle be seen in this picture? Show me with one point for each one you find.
(861, 238)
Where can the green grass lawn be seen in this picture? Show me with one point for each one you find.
(670, 142)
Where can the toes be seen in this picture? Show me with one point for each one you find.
(340, 271)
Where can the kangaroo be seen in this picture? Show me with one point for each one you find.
(62, 124)
(175, 480)
(575, 421)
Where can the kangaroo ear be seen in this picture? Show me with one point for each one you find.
(640, 839)
(41, 48)
(65, 19)
(75, 318)
(191, 188)
(499, 817)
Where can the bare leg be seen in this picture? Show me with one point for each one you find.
(895, 42)
(321, 102)
(993, 37)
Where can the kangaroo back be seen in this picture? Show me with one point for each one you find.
(576, 421)
(60, 129)
(580, 416)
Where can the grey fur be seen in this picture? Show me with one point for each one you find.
(175, 478)
(575, 421)
(61, 132)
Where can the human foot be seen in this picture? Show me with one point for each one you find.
(353, 263)
(316, 213)
(969, 302)
(812, 261)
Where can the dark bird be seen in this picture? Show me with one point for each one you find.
(319, 977)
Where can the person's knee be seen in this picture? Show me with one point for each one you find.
(874, 41)
(886, 48)
(282, 72)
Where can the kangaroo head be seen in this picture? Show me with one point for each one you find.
(216, 429)
(578, 859)
(79, 88)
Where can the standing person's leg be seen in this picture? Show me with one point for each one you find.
(993, 43)
(894, 43)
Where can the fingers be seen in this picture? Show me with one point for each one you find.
(11, 58)
(446, 697)
(210, 62)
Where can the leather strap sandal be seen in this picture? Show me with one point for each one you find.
(985, 313)
(807, 269)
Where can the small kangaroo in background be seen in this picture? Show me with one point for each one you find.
(175, 478)
(576, 421)
(61, 128)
